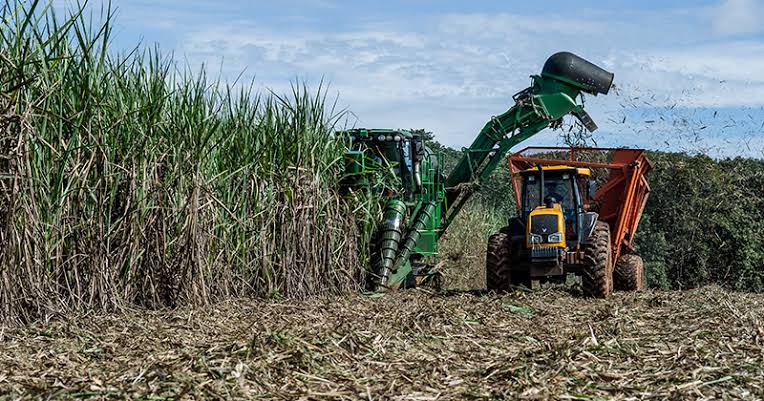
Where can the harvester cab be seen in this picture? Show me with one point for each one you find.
(394, 158)
(397, 167)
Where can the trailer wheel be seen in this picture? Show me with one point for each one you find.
(629, 273)
(597, 274)
(498, 262)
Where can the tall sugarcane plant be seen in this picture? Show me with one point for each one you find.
(126, 177)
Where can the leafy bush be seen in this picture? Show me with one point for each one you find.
(462, 248)
(704, 222)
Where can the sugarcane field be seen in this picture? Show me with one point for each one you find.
(335, 200)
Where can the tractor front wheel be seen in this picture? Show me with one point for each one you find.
(597, 275)
(629, 273)
(498, 262)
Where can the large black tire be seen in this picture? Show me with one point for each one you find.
(597, 274)
(629, 273)
(498, 262)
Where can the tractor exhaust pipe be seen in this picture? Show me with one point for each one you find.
(541, 185)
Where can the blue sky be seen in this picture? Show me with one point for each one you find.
(690, 75)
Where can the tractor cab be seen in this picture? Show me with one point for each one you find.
(559, 190)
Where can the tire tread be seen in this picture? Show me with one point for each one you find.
(597, 274)
(498, 262)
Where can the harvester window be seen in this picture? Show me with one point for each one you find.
(407, 157)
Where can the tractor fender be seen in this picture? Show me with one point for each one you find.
(590, 222)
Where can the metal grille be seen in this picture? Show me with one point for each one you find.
(544, 253)
(544, 225)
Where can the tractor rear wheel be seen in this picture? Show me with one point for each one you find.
(498, 262)
(597, 275)
(629, 273)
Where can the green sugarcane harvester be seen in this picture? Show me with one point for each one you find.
(420, 201)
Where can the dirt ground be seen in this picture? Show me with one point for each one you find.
(412, 345)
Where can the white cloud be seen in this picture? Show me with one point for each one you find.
(733, 17)
(739, 61)
(504, 24)
(450, 73)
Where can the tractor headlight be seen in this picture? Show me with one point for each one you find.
(554, 238)
(535, 239)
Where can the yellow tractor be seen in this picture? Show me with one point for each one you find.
(569, 225)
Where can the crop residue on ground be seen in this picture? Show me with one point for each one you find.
(412, 345)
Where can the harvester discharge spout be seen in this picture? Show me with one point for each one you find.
(567, 67)
(551, 96)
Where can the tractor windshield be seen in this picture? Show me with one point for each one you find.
(557, 186)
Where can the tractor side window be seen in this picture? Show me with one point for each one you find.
(531, 194)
